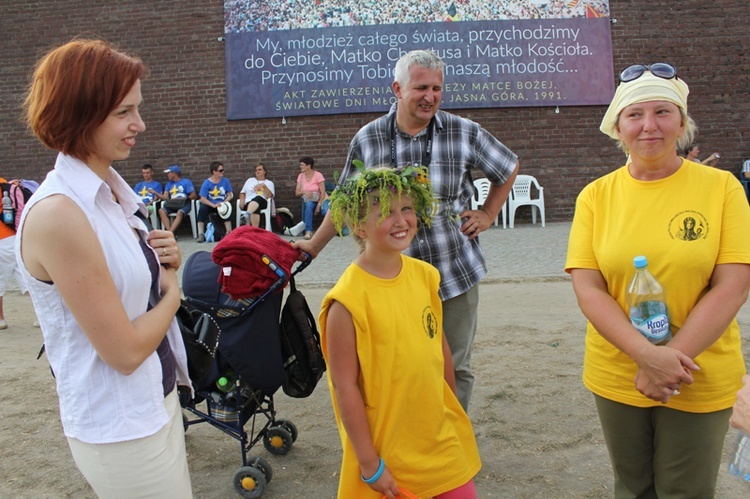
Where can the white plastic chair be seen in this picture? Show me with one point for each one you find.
(481, 190)
(520, 195)
(265, 212)
(193, 216)
(154, 216)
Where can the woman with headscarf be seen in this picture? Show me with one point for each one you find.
(664, 409)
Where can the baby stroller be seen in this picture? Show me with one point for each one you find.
(247, 369)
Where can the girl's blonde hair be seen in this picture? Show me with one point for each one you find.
(349, 205)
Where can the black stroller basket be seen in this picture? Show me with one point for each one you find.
(249, 361)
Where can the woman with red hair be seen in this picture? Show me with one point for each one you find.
(105, 289)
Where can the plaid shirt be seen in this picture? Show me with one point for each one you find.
(458, 146)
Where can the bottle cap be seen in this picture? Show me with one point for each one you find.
(222, 382)
(640, 262)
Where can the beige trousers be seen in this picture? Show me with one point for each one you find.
(153, 467)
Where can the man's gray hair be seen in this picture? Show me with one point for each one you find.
(423, 58)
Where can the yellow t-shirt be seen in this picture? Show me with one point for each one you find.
(417, 425)
(685, 225)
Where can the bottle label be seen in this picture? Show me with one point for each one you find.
(8, 217)
(651, 319)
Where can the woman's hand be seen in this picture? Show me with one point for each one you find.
(653, 391)
(166, 248)
(661, 372)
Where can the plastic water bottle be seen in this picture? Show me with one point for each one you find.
(648, 308)
(739, 462)
(226, 383)
(9, 214)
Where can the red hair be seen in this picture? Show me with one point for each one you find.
(73, 89)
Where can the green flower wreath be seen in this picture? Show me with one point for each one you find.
(349, 201)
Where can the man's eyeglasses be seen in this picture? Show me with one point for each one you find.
(220, 170)
(660, 69)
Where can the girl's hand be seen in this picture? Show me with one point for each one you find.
(386, 485)
(166, 248)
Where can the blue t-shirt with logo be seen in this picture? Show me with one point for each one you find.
(180, 189)
(216, 193)
(141, 188)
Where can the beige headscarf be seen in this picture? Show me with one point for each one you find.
(646, 88)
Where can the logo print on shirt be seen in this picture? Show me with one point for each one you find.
(429, 322)
(216, 193)
(688, 225)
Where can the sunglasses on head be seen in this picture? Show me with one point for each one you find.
(660, 69)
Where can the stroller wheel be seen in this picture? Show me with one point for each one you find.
(249, 482)
(263, 466)
(288, 426)
(277, 440)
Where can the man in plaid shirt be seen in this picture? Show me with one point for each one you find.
(415, 132)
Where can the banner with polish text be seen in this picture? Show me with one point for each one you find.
(316, 57)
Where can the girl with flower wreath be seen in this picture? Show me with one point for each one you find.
(402, 429)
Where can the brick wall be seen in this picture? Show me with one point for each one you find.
(184, 106)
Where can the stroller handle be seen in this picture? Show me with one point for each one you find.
(283, 276)
(307, 260)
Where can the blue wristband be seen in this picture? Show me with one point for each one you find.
(378, 474)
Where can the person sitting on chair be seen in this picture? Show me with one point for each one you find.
(255, 195)
(149, 189)
(692, 152)
(311, 188)
(180, 192)
(215, 190)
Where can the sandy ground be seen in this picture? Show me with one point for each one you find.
(535, 423)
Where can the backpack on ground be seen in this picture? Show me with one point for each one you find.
(300, 346)
(19, 191)
(219, 230)
(282, 220)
